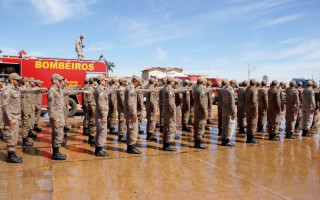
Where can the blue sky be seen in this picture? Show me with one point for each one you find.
(279, 38)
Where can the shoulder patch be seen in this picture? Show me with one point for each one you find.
(4, 94)
(50, 95)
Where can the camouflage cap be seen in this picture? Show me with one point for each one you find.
(292, 83)
(315, 84)
(25, 79)
(299, 83)
(14, 76)
(91, 79)
(113, 80)
(152, 80)
(177, 80)
(253, 81)
(309, 83)
(234, 81)
(201, 80)
(65, 80)
(224, 82)
(258, 84)
(137, 78)
(31, 79)
(87, 79)
(38, 81)
(186, 81)
(170, 79)
(274, 82)
(209, 83)
(164, 81)
(244, 83)
(263, 83)
(57, 77)
(122, 80)
(281, 83)
(101, 78)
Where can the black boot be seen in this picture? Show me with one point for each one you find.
(198, 144)
(185, 128)
(151, 137)
(273, 137)
(56, 155)
(32, 135)
(65, 128)
(306, 134)
(226, 142)
(113, 131)
(241, 130)
(85, 131)
(157, 125)
(91, 140)
(167, 147)
(161, 129)
(297, 127)
(64, 143)
(207, 128)
(132, 149)
(190, 123)
(65, 134)
(260, 129)
(140, 131)
(220, 131)
(1, 134)
(26, 143)
(291, 136)
(99, 152)
(12, 158)
(176, 137)
(36, 128)
(208, 122)
(122, 139)
(250, 139)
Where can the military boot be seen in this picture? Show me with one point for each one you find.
(113, 131)
(85, 131)
(241, 130)
(273, 137)
(250, 139)
(56, 155)
(306, 134)
(26, 143)
(99, 152)
(65, 128)
(176, 137)
(65, 134)
(226, 142)
(132, 149)
(297, 127)
(208, 122)
(122, 139)
(291, 136)
(220, 131)
(91, 140)
(1, 134)
(185, 128)
(207, 128)
(64, 143)
(36, 128)
(167, 147)
(32, 135)
(151, 137)
(198, 144)
(161, 129)
(190, 123)
(12, 158)
(140, 131)
(260, 129)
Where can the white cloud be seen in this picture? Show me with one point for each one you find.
(290, 41)
(36, 53)
(98, 47)
(9, 51)
(54, 11)
(279, 20)
(161, 54)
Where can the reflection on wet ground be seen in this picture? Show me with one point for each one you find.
(268, 170)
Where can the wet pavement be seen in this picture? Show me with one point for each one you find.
(288, 169)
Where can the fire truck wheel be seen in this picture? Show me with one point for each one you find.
(72, 107)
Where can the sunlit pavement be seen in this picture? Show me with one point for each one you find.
(288, 169)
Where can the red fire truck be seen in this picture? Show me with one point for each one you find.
(42, 68)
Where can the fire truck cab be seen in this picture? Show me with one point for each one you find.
(41, 68)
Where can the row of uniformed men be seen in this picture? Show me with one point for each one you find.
(21, 100)
(256, 105)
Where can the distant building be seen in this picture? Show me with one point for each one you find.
(161, 72)
(266, 78)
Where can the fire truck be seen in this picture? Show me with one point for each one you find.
(41, 68)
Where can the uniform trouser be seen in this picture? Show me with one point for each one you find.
(252, 122)
(209, 110)
(1, 119)
(132, 131)
(161, 115)
(80, 55)
(191, 113)
(65, 116)
(101, 132)
(112, 117)
(307, 117)
(170, 128)
(241, 115)
(140, 117)
(315, 113)
(219, 117)
(178, 115)
(37, 114)
(262, 116)
(185, 116)
(299, 117)
(57, 134)
(26, 126)
(33, 117)
(151, 121)
(12, 135)
(122, 126)
(86, 120)
(199, 127)
(291, 118)
(228, 125)
(91, 124)
(273, 122)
